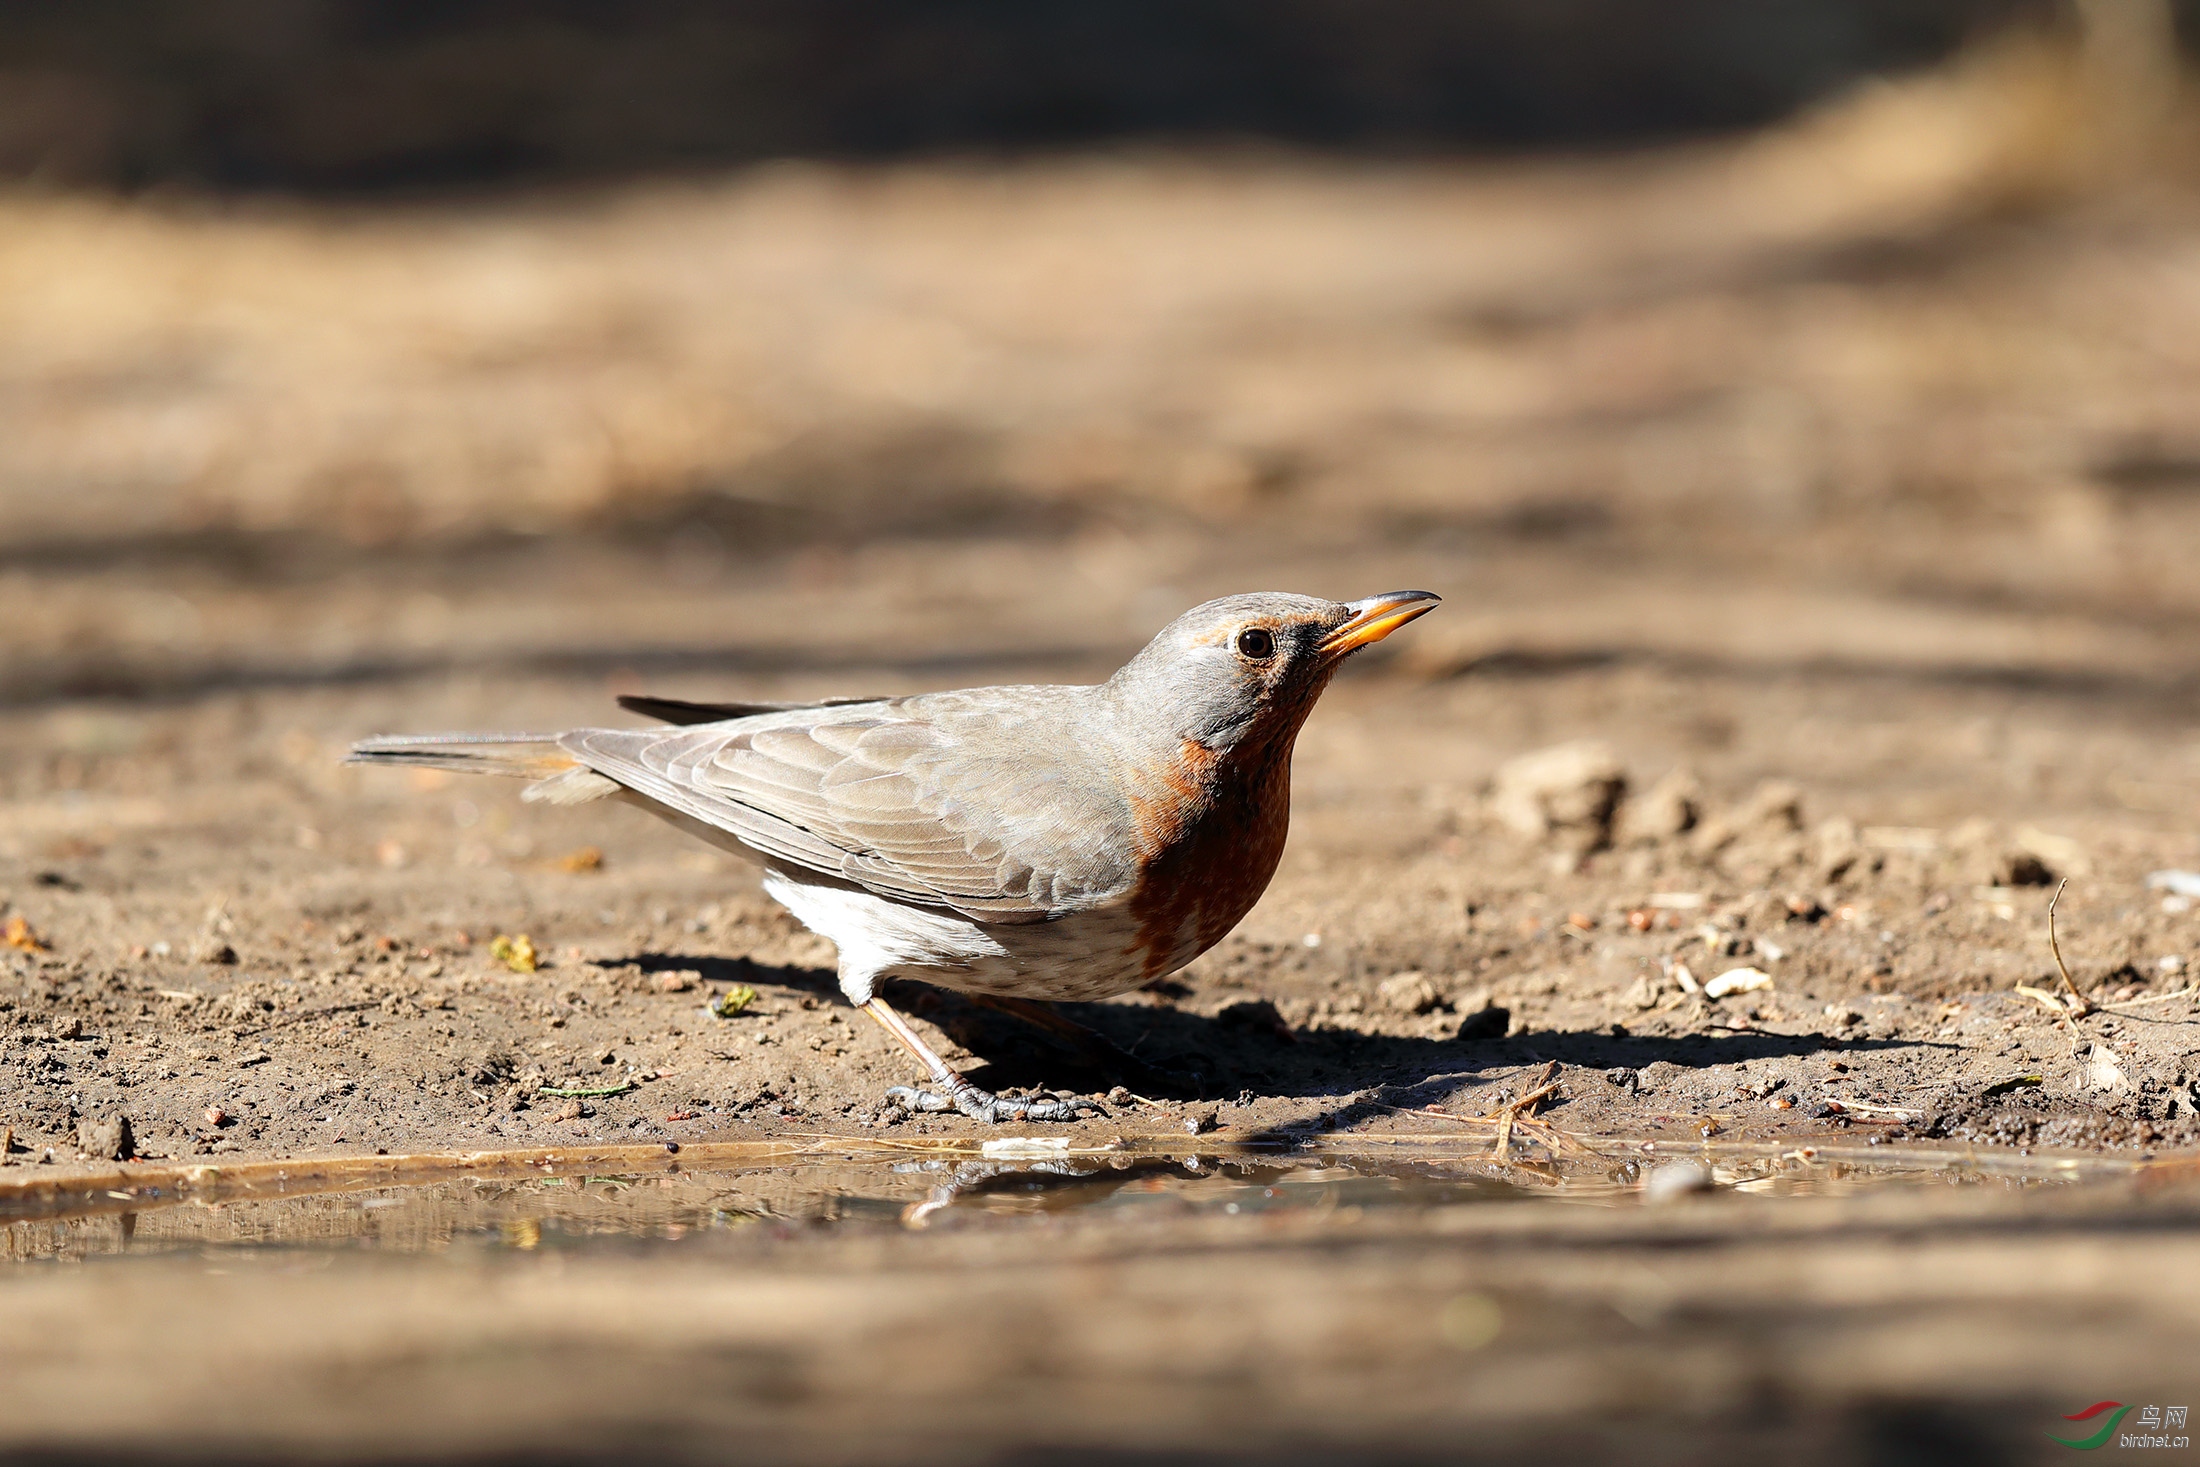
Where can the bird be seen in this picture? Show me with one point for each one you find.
(1016, 843)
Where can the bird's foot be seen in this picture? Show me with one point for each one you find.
(990, 1109)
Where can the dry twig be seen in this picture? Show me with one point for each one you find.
(2080, 1007)
(2132, 1003)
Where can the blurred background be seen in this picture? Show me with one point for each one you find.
(364, 346)
(1800, 396)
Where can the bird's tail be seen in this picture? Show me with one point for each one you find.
(560, 779)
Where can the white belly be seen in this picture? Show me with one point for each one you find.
(1078, 957)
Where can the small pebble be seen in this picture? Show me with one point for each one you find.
(1676, 1179)
(1409, 993)
(105, 1139)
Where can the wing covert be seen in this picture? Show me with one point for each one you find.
(964, 811)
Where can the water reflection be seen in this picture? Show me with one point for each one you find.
(785, 1203)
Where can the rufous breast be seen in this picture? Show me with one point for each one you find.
(1211, 830)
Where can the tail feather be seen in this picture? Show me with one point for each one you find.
(559, 778)
(520, 756)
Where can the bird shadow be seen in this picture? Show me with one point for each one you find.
(730, 972)
(1174, 1053)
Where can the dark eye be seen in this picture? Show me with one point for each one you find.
(1257, 644)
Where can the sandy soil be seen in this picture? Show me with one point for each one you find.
(1851, 508)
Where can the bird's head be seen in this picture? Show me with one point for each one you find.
(1252, 665)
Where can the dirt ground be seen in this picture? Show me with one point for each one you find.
(1851, 507)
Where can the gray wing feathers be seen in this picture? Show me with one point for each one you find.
(971, 819)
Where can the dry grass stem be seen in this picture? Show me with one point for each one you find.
(2079, 1006)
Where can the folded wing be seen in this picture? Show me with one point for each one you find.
(935, 800)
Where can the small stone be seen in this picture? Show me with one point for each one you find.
(221, 954)
(1737, 980)
(1199, 1122)
(572, 1110)
(674, 982)
(1675, 1180)
(1668, 808)
(1409, 993)
(1571, 789)
(1774, 806)
(216, 1116)
(1839, 848)
(70, 1028)
(2103, 1072)
(105, 1139)
(253, 1057)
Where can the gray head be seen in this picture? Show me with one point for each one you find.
(1252, 665)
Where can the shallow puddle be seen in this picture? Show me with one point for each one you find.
(643, 1199)
(839, 1303)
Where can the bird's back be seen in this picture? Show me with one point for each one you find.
(1004, 804)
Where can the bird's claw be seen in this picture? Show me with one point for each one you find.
(990, 1109)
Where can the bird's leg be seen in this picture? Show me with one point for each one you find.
(956, 1093)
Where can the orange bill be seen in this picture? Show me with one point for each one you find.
(1376, 617)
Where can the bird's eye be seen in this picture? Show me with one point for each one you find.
(1256, 643)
